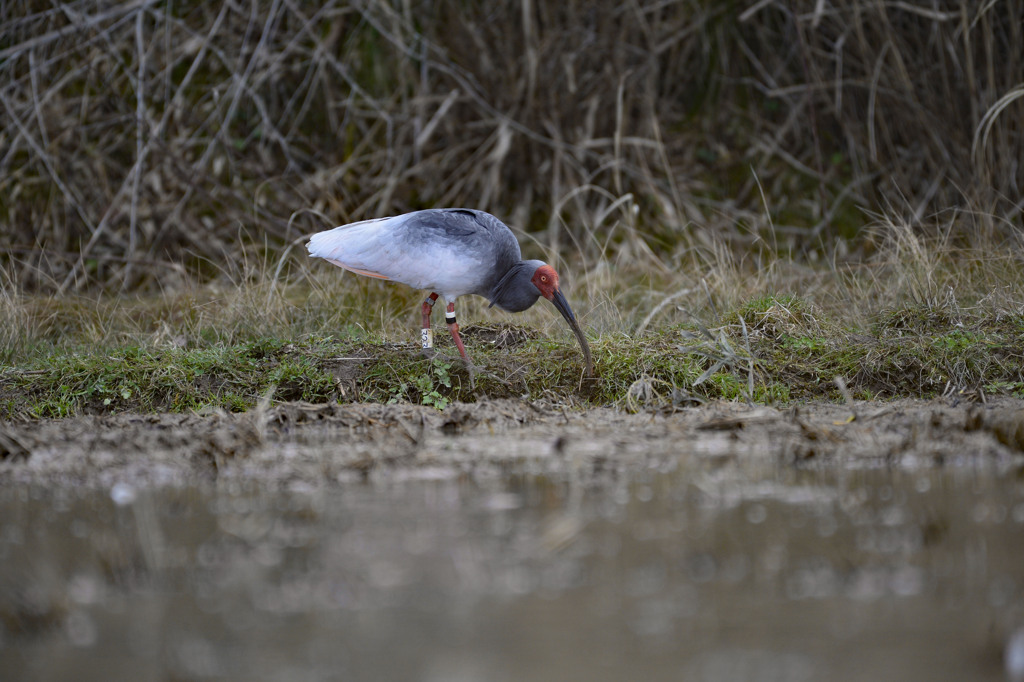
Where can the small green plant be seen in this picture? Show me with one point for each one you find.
(1014, 388)
(957, 340)
(804, 344)
(427, 386)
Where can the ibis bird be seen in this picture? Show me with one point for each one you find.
(451, 252)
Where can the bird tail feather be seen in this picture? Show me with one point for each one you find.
(352, 247)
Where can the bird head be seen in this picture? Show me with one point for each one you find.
(546, 280)
(527, 281)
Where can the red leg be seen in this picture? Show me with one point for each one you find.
(453, 327)
(427, 335)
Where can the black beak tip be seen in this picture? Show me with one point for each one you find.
(558, 299)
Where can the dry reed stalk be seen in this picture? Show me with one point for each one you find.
(148, 133)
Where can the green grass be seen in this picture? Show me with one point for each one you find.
(172, 379)
(782, 357)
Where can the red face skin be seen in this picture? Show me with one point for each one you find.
(546, 279)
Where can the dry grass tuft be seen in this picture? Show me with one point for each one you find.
(149, 146)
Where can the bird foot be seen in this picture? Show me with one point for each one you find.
(472, 370)
(434, 355)
(477, 371)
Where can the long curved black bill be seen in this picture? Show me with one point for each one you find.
(563, 307)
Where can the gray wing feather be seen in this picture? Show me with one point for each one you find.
(452, 251)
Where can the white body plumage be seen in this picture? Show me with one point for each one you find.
(435, 250)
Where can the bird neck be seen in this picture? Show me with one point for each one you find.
(515, 292)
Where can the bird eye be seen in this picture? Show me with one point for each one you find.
(543, 278)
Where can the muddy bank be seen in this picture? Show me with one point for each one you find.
(507, 541)
(296, 444)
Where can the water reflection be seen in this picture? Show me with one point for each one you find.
(671, 572)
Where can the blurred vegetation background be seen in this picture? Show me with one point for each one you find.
(147, 144)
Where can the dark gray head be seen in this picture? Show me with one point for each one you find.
(516, 291)
(524, 283)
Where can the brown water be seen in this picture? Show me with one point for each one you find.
(713, 558)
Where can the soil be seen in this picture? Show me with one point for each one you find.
(299, 444)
